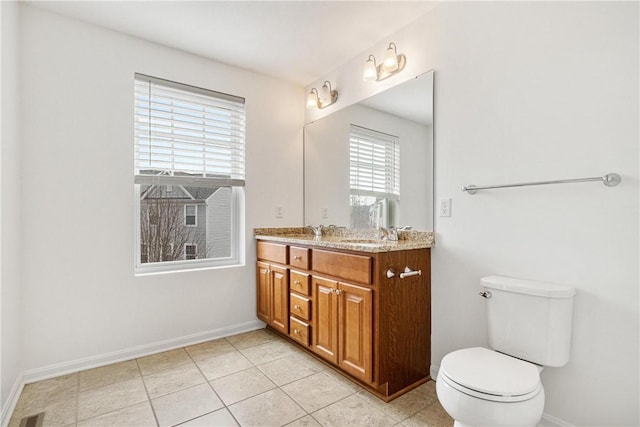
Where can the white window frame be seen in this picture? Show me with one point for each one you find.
(195, 215)
(236, 257)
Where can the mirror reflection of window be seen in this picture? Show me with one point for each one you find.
(374, 177)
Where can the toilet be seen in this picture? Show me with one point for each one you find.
(529, 327)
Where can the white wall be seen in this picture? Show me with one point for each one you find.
(535, 91)
(10, 289)
(77, 193)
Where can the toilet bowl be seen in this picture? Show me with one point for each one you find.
(481, 387)
(529, 326)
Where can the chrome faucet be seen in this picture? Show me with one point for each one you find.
(390, 234)
(317, 230)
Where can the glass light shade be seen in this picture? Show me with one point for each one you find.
(325, 94)
(390, 60)
(370, 73)
(312, 99)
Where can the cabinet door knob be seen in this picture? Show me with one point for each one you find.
(337, 291)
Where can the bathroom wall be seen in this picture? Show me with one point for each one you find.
(10, 181)
(85, 305)
(527, 92)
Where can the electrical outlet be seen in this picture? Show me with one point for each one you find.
(445, 207)
(324, 212)
(279, 212)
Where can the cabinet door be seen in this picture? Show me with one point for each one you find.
(280, 299)
(355, 330)
(263, 280)
(325, 318)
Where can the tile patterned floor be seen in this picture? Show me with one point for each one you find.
(251, 379)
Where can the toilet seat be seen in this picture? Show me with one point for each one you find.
(490, 375)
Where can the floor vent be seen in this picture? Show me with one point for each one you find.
(33, 420)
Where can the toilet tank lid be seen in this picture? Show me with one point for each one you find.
(529, 287)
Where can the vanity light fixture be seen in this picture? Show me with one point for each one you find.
(327, 96)
(392, 63)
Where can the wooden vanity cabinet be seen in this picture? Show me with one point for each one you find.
(342, 332)
(342, 306)
(273, 286)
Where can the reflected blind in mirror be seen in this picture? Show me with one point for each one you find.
(184, 132)
(374, 163)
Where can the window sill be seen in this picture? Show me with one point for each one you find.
(184, 267)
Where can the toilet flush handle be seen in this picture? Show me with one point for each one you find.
(485, 294)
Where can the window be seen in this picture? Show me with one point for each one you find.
(190, 251)
(374, 176)
(189, 176)
(190, 219)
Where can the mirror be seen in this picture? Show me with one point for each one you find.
(354, 158)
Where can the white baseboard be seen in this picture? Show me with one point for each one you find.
(547, 420)
(12, 401)
(433, 372)
(90, 362)
(551, 421)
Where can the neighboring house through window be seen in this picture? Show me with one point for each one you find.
(189, 175)
(374, 176)
(190, 217)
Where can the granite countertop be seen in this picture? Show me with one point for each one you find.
(347, 239)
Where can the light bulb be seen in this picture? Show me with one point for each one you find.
(370, 73)
(312, 99)
(390, 59)
(324, 97)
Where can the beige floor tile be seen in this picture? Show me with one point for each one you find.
(272, 408)
(56, 412)
(402, 407)
(241, 385)
(173, 379)
(268, 352)
(109, 398)
(185, 405)
(343, 380)
(249, 339)
(352, 411)
(109, 374)
(209, 349)
(433, 415)
(306, 421)
(224, 364)
(316, 391)
(290, 368)
(42, 392)
(168, 359)
(220, 418)
(139, 415)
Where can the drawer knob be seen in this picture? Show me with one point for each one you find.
(297, 307)
(296, 282)
(296, 331)
(297, 257)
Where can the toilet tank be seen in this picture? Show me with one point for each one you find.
(529, 320)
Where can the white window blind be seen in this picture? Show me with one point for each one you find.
(374, 165)
(186, 135)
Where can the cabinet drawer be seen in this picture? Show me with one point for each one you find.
(299, 282)
(299, 331)
(272, 252)
(346, 266)
(299, 257)
(300, 306)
